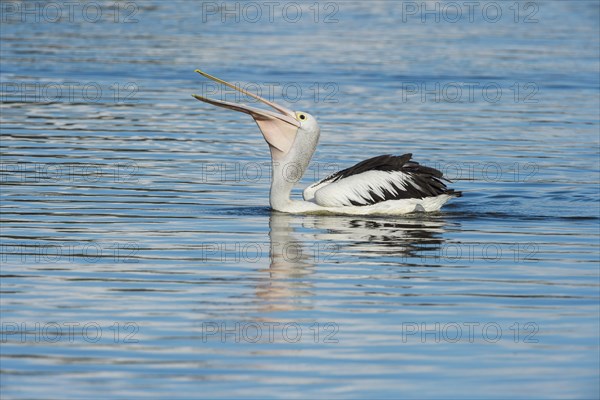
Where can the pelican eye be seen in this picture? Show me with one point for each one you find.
(302, 117)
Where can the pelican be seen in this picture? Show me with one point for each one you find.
(384, 184)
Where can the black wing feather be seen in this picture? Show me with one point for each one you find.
(424, 181)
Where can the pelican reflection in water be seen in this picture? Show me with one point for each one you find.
(298, 244)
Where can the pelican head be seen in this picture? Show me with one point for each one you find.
(284, 130)
(292, 137)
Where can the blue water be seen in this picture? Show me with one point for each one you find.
(139, 254)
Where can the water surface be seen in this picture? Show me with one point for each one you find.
(140, 257)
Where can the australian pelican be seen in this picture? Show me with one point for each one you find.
(380, 185)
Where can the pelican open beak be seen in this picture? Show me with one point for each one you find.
(278, 128)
